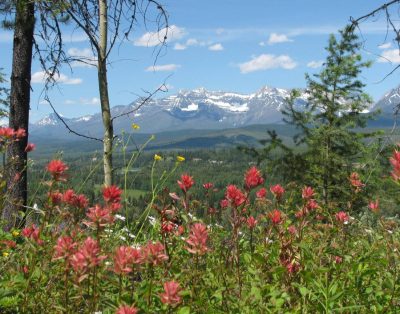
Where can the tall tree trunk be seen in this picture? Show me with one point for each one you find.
(19, 111)
(104, 98)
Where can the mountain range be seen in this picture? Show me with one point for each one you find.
(199, 109)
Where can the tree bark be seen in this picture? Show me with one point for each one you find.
(19, 111)
(104, 98)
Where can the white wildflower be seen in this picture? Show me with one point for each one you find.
(120, 217)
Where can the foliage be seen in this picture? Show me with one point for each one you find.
(260, 245)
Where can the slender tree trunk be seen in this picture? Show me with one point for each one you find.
(104, 98)
(19, 111)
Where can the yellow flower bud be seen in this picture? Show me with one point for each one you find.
(180, 158)
(5, 254)
(135, 126)
(157, 157)
(15, 233)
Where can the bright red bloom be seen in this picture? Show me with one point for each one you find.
(65, 248)
(75, 200)
(395, 161)
(208, 185)
(253, 178)
(261, 193)
(342, 217)
(171, 293)
(57, 168)
(277, 190)
(125, 257)
(112, 194)
(32, 232)
(307, 192)
(30, 147)
(198, 239)
(56, 198)
(251, 222)
(275, 216)
(355, 181)
(100, 216)
(312, 204)
(126, 309)
(7, 132)
(374, 206)
(20, 133)
(186, 182)
(234, 195)
(88, 256)
(167, 227)
(154, 253)
(224, 203)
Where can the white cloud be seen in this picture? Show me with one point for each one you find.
(94, 101)
(266, 62)
(216, 47)
(165, 67)
(40, 77)
(315, 64)
(385, 46)
(219, 31)
(86, 55)
(151, 39)
(275, 38)
(192, 42)
(261, 43)
(179, 46)
(392, 56)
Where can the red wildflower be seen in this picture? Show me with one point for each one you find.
(99, 216)
(253, 178)
(30, 147)
(312, 204)
(355, 181)
(251, 222)
(9, 244)
(88, 256)
(307, 192)
(75, 200)
(186, 182)
(7, 132)
(342, 217)
(338, 259)
(112, 194)
(180, 230)
(211, 210)
(234, 195)
(395, 161)
(33, 233)
(224, 203)
(57, 168)
(261, 193)
(126, 309)
(124, 258)
(277, 190)
(275, 216)
(198, 239)
(56, 198)
(167, 227)
(171, 293)
(208, 185)
(20, 133)
(64, 248)
(292, 229)
(154, 253)
(374, 206)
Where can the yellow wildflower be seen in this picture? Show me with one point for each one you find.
(135, 126)
(5, 254)
(15, 233)
(180, 158)
(157, 157)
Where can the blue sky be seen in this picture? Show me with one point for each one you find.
(227, 45)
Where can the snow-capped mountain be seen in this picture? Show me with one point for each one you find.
(188, 109)
(389, 102)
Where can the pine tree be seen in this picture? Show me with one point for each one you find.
(330, 141)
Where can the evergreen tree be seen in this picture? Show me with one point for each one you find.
(330, 142)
